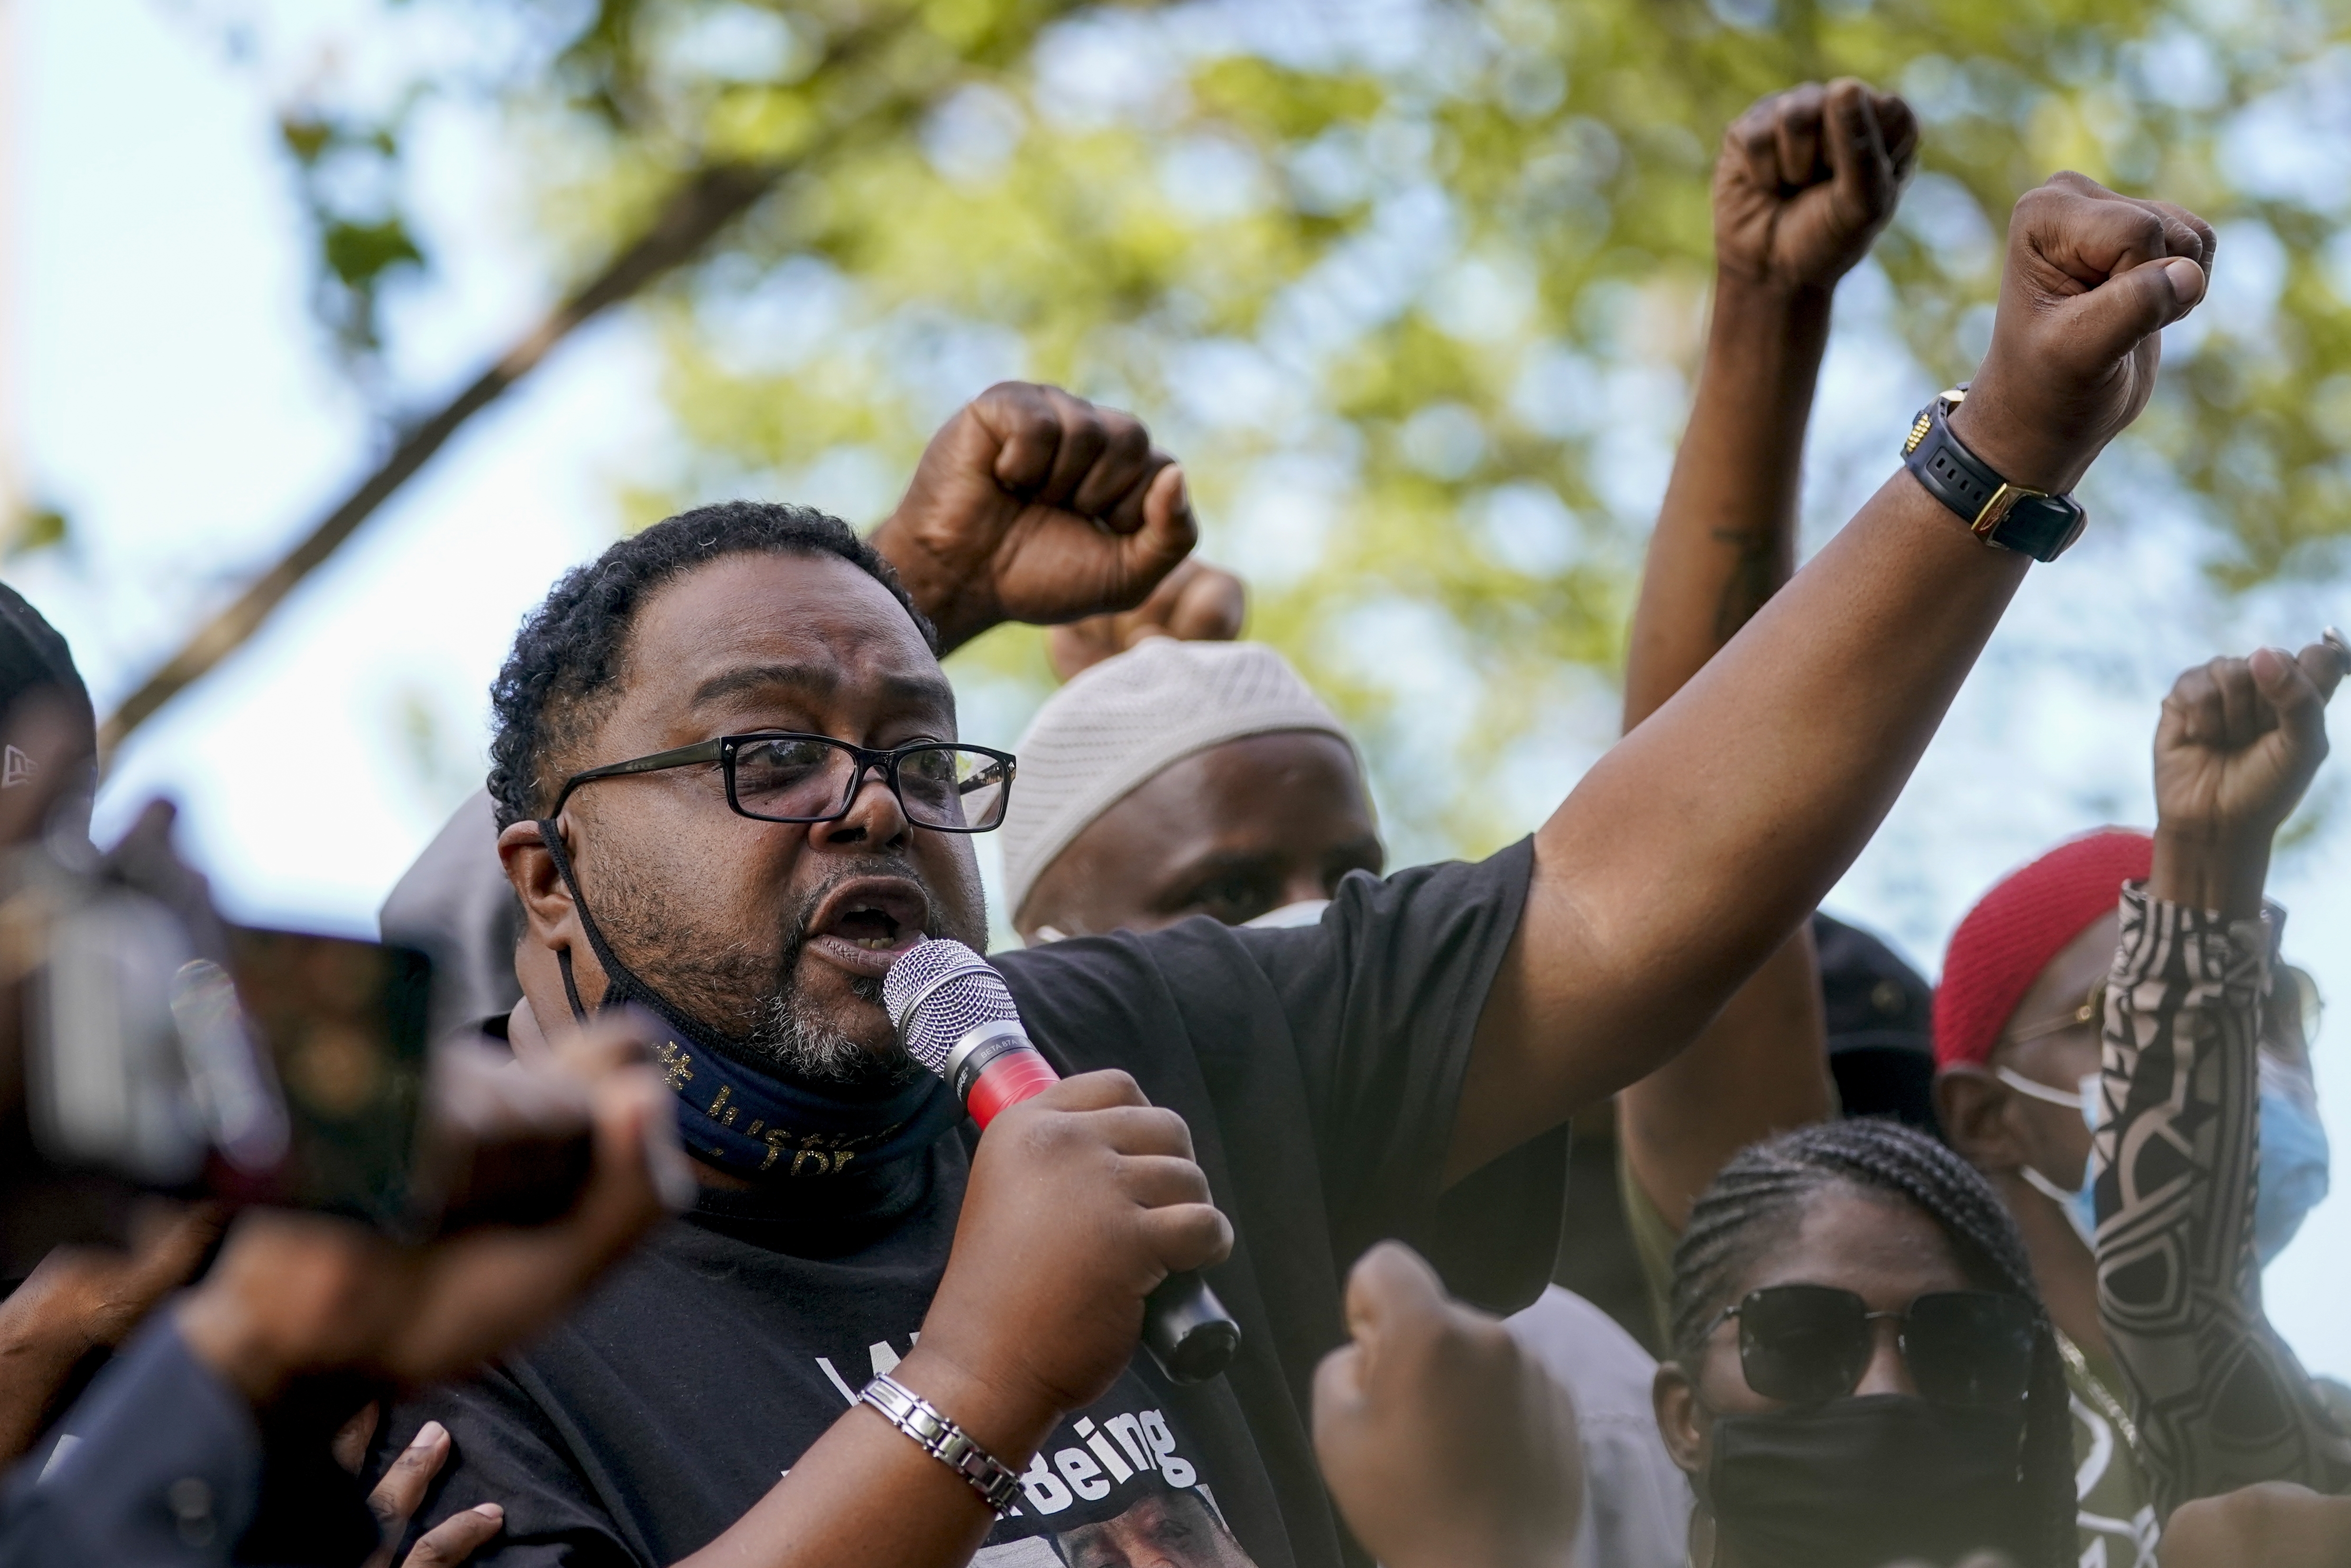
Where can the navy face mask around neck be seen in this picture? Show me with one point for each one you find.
(754, 1121)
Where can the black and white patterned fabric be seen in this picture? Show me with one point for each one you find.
(2221, 1402)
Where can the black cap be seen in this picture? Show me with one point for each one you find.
(1880, 1015)
(33, 655)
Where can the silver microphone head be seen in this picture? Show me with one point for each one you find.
(937, 992)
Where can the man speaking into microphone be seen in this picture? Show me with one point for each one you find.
(732, 790)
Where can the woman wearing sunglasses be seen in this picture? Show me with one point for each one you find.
(1862, 1372)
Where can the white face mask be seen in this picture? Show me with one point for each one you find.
(2080, 1206)
(1305, 912)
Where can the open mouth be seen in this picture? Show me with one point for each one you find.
(864, 925)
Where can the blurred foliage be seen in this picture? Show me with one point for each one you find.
(35, 527)
(348, 169)
(1414, 288)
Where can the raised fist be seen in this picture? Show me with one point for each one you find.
(1196, 602)
(2239, 742)
(1806, 180)
(1444, 1443)
(2092, 279)
(1031, 504)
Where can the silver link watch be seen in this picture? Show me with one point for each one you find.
(997, 1484)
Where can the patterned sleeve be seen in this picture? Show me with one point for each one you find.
(2220, 1401)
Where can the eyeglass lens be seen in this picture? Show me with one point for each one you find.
(800, 778)
(1807, 1344)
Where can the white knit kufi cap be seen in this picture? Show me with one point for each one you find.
(1117, 725)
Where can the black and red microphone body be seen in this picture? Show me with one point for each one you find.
(953, 1012)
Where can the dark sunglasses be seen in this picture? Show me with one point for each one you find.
(1807, 1344)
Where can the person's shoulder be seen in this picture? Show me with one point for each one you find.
(1587, 1352)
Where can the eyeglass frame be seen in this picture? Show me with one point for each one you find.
(722, 750)
(2091, 1009)
(1868, 1318)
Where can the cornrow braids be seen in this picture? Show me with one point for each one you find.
(1757, 1200)
(563, 672)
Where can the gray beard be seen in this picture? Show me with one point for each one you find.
(746, 1000)
(808, 1047)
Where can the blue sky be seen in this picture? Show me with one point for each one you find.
(175, 400)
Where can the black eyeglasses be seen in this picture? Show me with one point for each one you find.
(785, 777)
(1807, 1344)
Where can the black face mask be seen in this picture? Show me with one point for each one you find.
(1861, 1482)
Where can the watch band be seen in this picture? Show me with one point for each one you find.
(2012, 517)
(997, 1483)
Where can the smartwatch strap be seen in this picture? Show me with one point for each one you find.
(2012, 517)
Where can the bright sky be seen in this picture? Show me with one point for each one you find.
(176, 402)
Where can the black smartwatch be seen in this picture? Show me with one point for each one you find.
(2012, 517)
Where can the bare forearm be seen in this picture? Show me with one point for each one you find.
(1692, 849)
(865, 1493)
(2203, 869)
(1758, 1069)
(1726, 535)
(1725, 543)
(37, 1355)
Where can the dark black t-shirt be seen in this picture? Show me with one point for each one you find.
(1318, 1069)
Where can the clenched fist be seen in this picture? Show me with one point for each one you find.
(1080, 1201)
(1444, 1443)
(1031, 504)
(1806, 181)
(2239, 742)
(2092, 279)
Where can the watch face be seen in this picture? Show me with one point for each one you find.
(2043, 527)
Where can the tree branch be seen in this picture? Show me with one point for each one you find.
(701, 206)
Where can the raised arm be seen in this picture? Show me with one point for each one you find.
(2178, 1285)
(1796, 205)
(1032, 505)
(1692, 849)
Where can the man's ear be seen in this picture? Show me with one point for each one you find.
(1976, 1110)
(1679, 1422)
(550, 917)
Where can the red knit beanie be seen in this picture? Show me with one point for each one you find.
(2025, 921)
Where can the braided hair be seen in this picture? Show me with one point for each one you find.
(1757, 1201)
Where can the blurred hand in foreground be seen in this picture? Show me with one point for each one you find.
(1032, 505)
(1806, 180)
(302, 1296)
(2275, 1525)
(1445, 1445)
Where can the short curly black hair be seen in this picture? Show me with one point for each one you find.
(561, 677)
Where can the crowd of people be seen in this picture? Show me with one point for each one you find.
(1986, 1290)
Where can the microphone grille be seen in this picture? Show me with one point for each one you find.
(938, 991)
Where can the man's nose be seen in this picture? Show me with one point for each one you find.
(875, 816)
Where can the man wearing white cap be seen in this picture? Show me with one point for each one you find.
(1183, 778)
